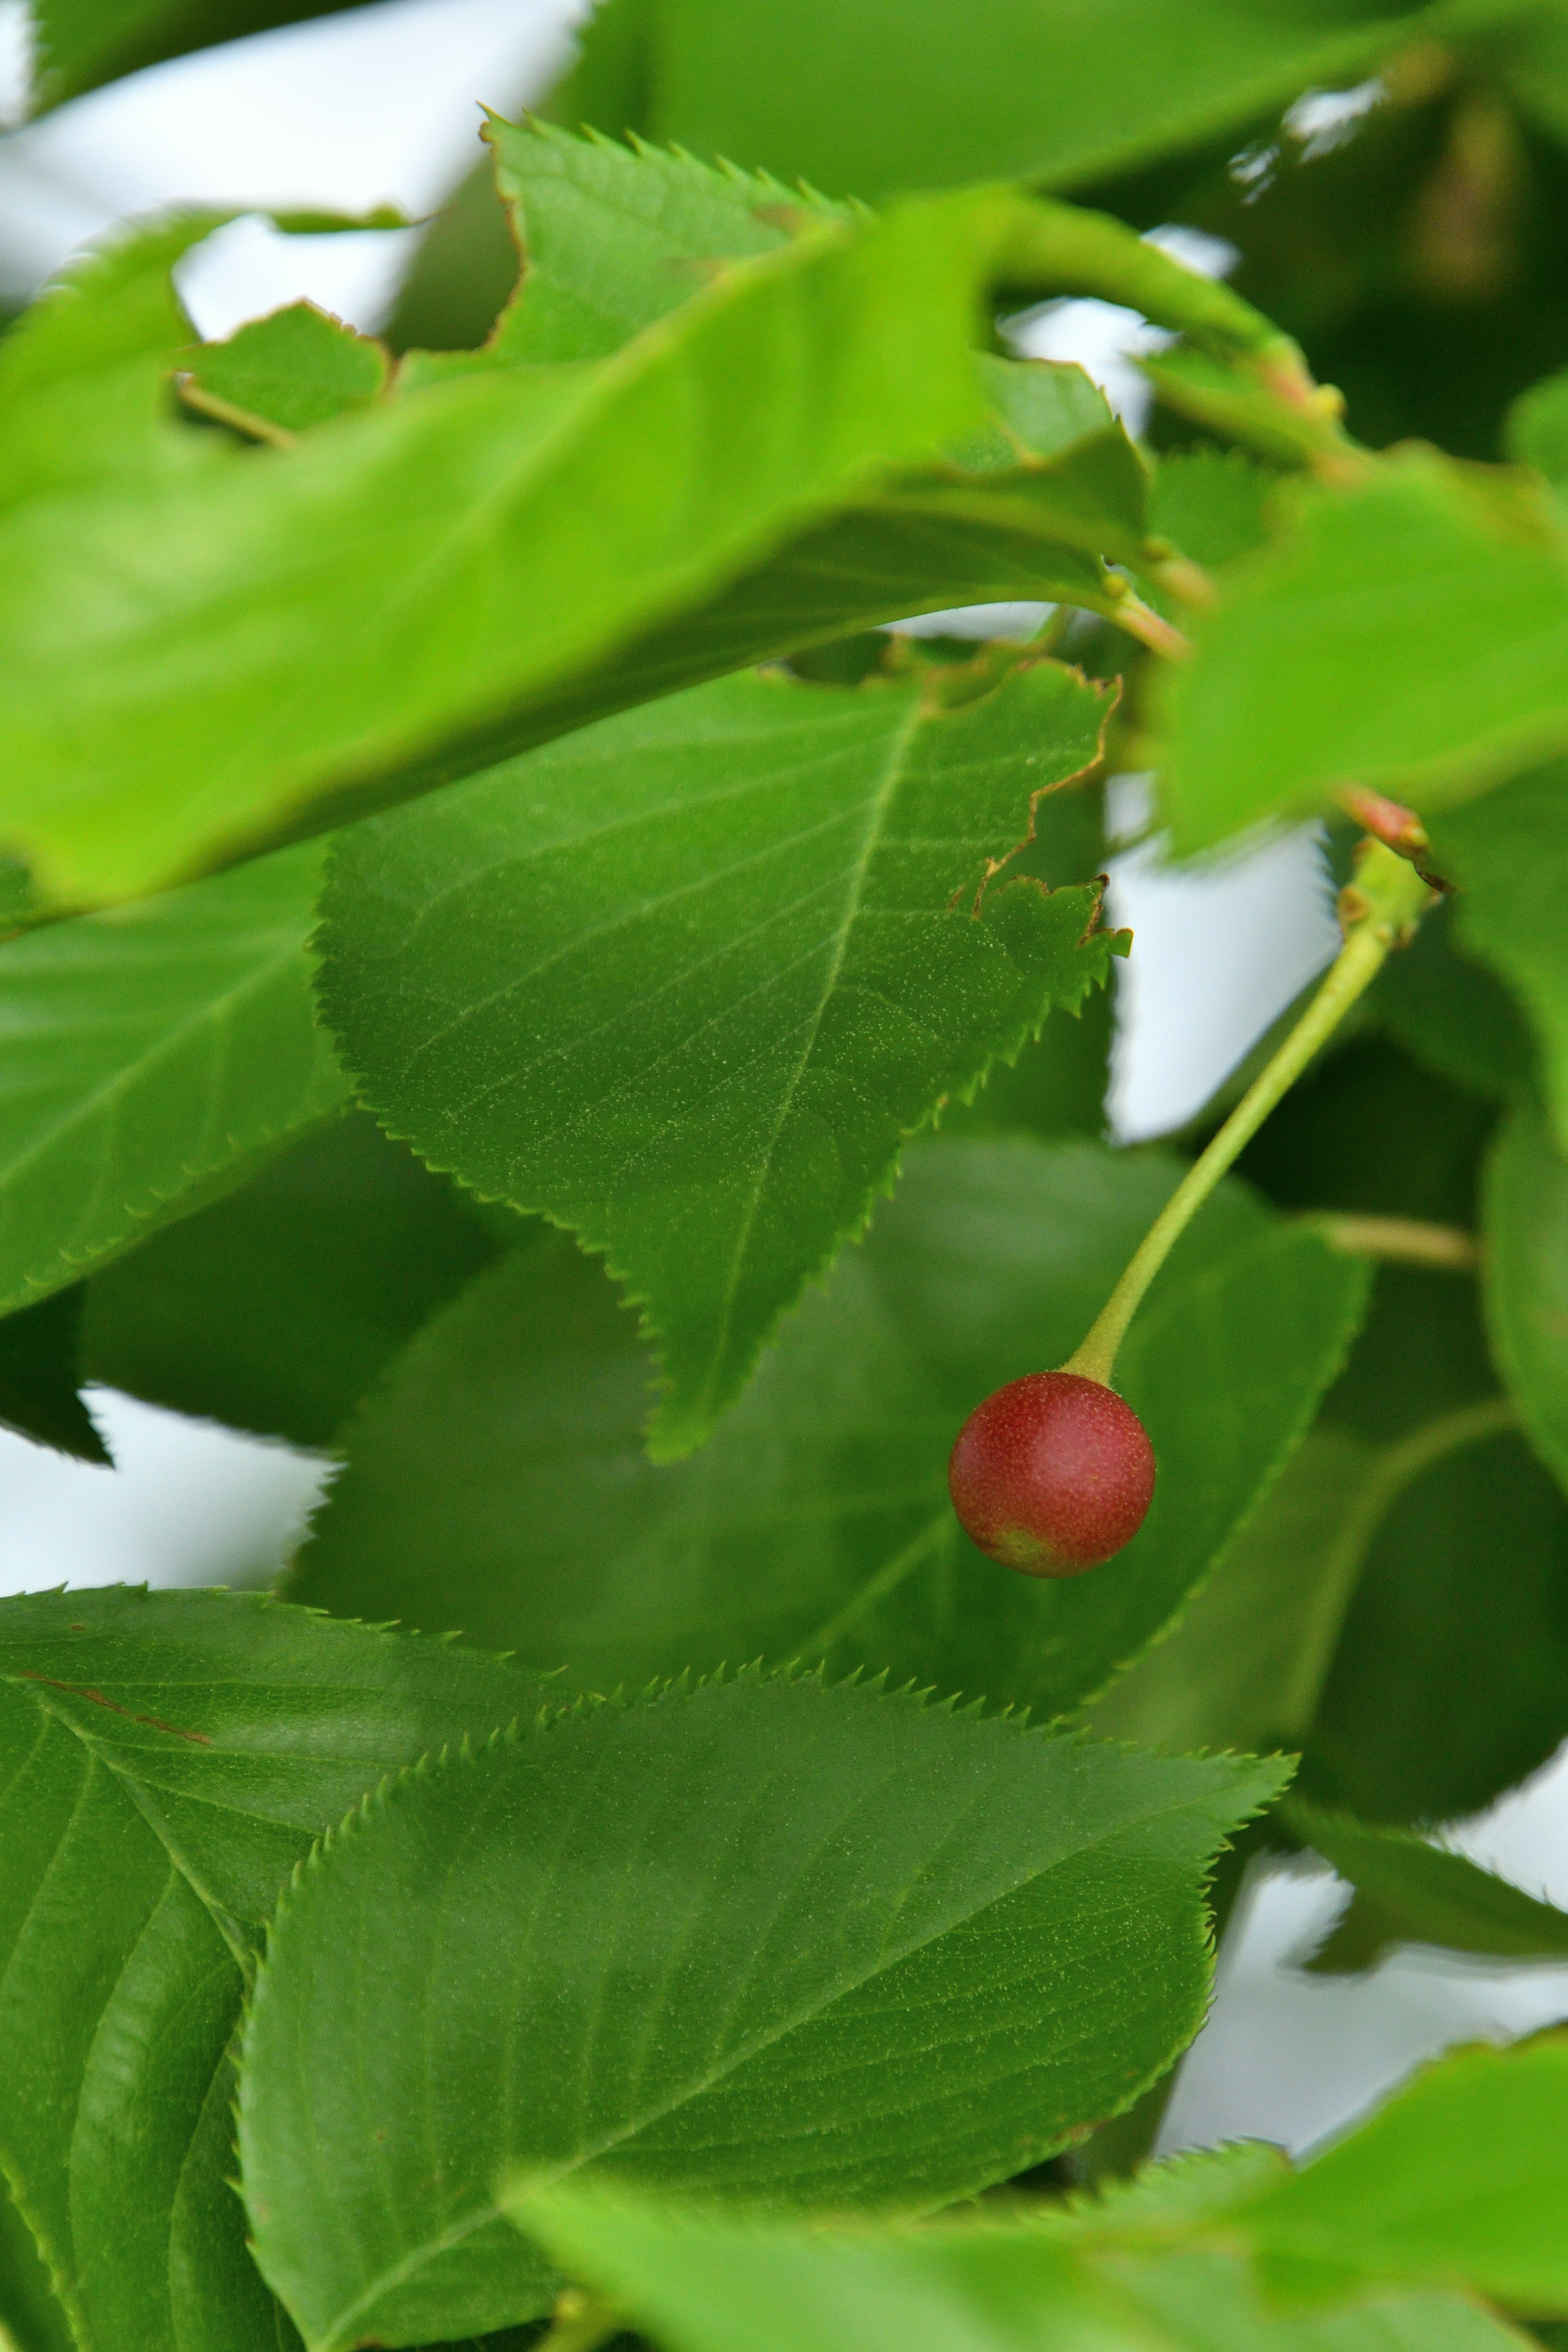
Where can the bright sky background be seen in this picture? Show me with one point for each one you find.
(381, 105)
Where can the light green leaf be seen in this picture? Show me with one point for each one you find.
(276, 1309)
(613, 240)
(275, 639)
(150, 1056)
(1406, 632)
(863, 97)
(165, 1761)
(1409, 1891)
(1509, 856)
(40, 1374)
(699, 2283)
(1526, 1266)
(686, 982)
(279, 376)
(495, 1480)
(1462, 2178)
(718, 1909)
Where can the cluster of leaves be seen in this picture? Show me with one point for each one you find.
(474, 866)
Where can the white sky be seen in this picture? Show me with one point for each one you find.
(381, 105)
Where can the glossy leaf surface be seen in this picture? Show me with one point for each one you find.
(670, 2011)
(818, 1523)
(165, 1761)
(148, 1057)
(686, 982)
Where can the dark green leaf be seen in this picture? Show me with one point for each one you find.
(686, 982)
(1406, 632)
(1404, 1595)
(311, 633)
(276, 1309)
(1244, 1661)
(1508, 855)
(1527, 1278)
(864, 97)
(40, 1374)
(149, 1058)
(32, 2317)
(1452, 1012)
(718, 1908)
(1411, 1892)
(495, 1480)
(282, 374)
(165, 1761)
(1461, 2178)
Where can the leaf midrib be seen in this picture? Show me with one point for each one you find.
(333, 2339)
(878, 808)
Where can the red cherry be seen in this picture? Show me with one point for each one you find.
(1052, 1474)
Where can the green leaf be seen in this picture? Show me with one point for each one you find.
(309, 633)
(149, 1058)
(496, 1479)
(1526, 1266)
(686, 982)
(1425, 1543)
(40, 1374)
(1409, 1891)
(32, 2318)
(1211, 502)
(1462, 2178)
(614, 240)
(279, 376)
(1243, 1666)
(1509, 856)
(1405, 633)
(719, 1909)
(1452, 1012)
(864, 97)
(700, 2283)
(165, 1761)
(276, 1309)
(83, 43)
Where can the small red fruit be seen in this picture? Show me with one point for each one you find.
(1052, 1474)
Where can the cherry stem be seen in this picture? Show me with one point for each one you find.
(1378, 910)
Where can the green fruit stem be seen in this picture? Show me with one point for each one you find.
(1379, 911)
